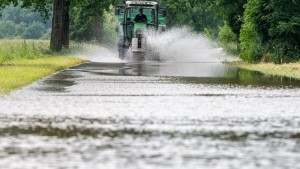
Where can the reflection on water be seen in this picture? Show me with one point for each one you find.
(57, 82)
(213, 73)
(152, 116)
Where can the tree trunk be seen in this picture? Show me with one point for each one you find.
(66, 24)
(101, 27)
(97, 26)
(57, 25)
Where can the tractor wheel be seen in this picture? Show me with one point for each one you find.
(122, 54)
(122, 48)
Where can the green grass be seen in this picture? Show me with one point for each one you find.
(23, 62)
(288, 70)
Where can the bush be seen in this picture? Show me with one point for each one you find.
(283, 27)
(271, 31)
(34, 31)
(16, 22)
(7, 29)
(251, 42)
(228, 39)
(226, 35)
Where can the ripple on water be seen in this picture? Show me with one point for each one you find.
(151, 143)
(84, 117)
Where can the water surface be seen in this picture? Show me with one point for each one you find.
(152, 115)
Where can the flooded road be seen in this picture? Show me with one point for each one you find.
(189, 111)
(152, 115)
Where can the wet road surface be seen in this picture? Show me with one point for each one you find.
(152, 116)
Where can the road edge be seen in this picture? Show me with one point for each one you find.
(19, 73)
(291, 70)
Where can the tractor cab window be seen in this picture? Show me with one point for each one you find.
(148, 12)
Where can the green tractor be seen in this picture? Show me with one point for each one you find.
(134, 19)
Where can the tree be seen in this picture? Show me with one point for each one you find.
(271, 31)
(61, 16)
(196, 14)
(232, 12)
(81, 27)
(251, 40)
(58, 38)
(34, 31)
(281, 28)
(7, 29)
(22, 23)
(94, 10)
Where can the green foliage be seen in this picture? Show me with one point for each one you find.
(271, 31)
(34, 31)
(109, 27)
(232, 12)
(283, 27)
(16, 22)
(47, 35)
(226, 35)
(228, 39)
(41, 6)
(81, 28)
(7, 29)
(16, 49)
(197, 14)
(267, 30)
(251, 41)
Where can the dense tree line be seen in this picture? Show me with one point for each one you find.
(16, 22)
(271, 31)
(263, 30)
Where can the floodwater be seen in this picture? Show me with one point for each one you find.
(174, 114)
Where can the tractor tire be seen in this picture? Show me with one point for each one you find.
(122, 48)
(122, 54)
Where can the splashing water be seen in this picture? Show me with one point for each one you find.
(96, 53)
(174, 45)
(182, 45)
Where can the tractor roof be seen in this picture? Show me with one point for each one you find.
(147, 3)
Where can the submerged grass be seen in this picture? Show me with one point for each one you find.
(23, 62)
(288, 70)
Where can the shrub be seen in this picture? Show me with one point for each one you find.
(226, 35)
(7, 29)
(271, 31)
(251, 41)
(34, 31)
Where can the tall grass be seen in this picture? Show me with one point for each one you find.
(11, 49)
(17, 49)
(23, 62)
(291, 70)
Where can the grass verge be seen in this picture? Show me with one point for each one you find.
(288, 70)
(21, 72)
(23, 62)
